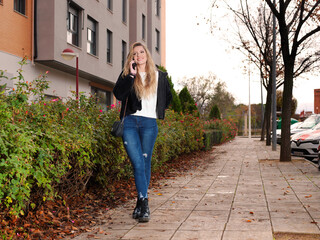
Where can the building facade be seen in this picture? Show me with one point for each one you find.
(100, 32)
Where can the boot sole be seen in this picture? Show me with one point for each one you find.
(144, 219)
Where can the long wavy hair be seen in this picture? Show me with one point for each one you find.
(150, 86)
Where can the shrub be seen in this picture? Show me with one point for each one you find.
(187, 102)
(228, 128)
(175, 103)
(215, 112)
(211, 138)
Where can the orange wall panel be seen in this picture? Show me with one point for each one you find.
(16, 29)
(316, 101)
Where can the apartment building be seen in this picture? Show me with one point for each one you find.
(99, 32)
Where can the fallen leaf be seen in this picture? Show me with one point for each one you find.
(309, 196)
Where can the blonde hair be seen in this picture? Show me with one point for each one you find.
(150, 86)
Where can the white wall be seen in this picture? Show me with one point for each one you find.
(61, 84)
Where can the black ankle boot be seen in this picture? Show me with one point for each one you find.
(145, 212)
(137, 211)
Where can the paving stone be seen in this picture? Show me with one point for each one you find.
(294, 225)
(248, 235)
(205, 220)
(197, 235)
(154, 234)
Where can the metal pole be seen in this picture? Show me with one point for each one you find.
(77, 78)
(261, 85)
(274, 97)
(249, 104)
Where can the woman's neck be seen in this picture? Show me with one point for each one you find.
(142, 67)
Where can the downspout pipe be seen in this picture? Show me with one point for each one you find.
(35, 34)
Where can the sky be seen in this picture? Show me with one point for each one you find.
(192, 50)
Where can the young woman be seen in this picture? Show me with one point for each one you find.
(144, 93)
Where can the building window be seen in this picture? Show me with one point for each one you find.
(157, 5)
(157, 40)
(109, 46)
(103, 97)
(143, 26)
(124, 53)
(20, 6)
(92, 36)
(124, 11)
(110, 4)
(73, 26)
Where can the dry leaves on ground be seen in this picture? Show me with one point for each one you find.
(70, 217)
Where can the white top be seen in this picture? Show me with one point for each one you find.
(148, 104)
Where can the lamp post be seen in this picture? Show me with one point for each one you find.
(249, 110)
(274, 96)
(69, 54)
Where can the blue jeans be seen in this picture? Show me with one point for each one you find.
(139, 136)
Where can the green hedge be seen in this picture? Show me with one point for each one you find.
(211, 138)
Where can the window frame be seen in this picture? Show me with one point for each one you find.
(157, 7)
(124, 11)
(143, 34)
(104, 106)
(20, 6)
(76, 12)
(110, 5)
(158, 38)
(93, 41)
(109, 46)
(123, 52)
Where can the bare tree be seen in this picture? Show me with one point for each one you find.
(258, 45)
(223, 99)
(201, 89)
(298, 22)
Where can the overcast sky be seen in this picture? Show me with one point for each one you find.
(192, 51)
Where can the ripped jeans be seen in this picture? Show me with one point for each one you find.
(139, 136)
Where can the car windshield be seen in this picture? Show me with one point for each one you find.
(309, 122)
(316, 127)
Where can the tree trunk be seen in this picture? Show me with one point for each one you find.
(285, 152)
(263, 127)
(268, 114)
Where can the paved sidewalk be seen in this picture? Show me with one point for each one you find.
(243, 193)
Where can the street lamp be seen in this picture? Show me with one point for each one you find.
(69, 54)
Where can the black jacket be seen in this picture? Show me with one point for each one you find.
(124, 88)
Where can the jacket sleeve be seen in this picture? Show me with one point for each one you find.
(123, 86)
(168, 93)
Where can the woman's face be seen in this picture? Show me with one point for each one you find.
(139, 55)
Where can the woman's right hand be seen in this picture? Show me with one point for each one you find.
(133, 71)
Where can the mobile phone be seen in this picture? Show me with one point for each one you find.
(134, 66)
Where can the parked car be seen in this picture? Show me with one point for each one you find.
(292, 126)
(292, 121)
(319, 158)
(305, 144)
(308, 123)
